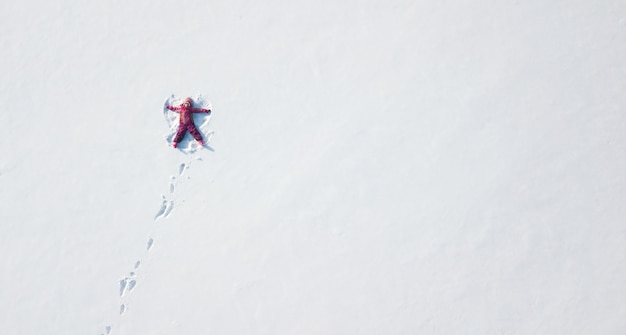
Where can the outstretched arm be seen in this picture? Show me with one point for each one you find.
(201, 110)
(173, 109)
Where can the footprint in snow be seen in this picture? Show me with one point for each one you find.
(123, 286)
(162, 209)
(172, 181)
(128, 283)
(168, 209)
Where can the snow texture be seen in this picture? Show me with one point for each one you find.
(377, 167)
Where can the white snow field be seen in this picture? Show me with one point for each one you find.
(373, 167)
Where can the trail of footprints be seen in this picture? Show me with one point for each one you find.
(167, 205)
(129, 282)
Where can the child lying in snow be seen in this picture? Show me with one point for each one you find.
(186, 111)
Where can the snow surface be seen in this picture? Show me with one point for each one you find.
(377, 167)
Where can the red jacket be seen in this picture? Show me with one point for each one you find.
(186, 111)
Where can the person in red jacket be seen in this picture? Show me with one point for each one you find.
(186, 111)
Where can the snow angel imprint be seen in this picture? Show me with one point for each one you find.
(186, 111)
